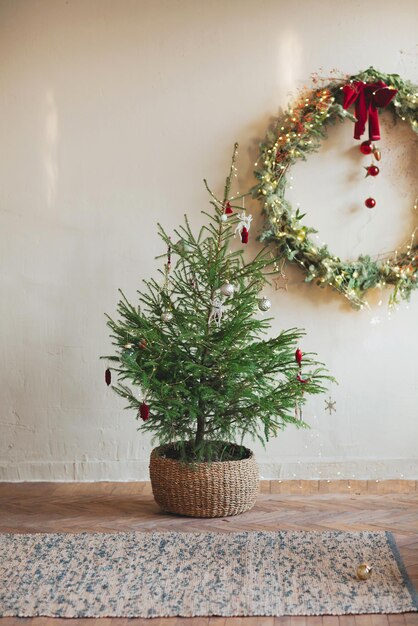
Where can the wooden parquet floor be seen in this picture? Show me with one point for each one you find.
(107, 507)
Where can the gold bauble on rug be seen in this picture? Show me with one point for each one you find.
(364, 571)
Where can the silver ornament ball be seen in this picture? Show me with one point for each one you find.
(264, 304)
(167, 316)
(183, 246)
(224, 218)
(227, 289)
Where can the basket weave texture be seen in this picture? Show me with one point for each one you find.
(216, 489)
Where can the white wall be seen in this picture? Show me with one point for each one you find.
(111, 113)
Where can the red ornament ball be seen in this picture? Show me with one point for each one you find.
(370, 203)
(366, 147)
(372, 170)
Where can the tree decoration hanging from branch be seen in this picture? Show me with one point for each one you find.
(298, 132)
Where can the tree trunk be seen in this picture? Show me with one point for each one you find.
(200, 432)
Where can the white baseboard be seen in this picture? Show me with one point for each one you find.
(131, 470)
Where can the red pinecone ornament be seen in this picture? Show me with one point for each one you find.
(244, 235)
(108, 377)
(144, 411)
(298, 356)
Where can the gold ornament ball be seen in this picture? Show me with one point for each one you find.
(364, 571)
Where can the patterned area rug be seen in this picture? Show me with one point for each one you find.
(201, 574)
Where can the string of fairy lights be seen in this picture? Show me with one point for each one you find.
(298, 132)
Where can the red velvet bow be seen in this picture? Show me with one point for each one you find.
(367, 97)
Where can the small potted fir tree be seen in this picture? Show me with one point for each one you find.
(206, 376)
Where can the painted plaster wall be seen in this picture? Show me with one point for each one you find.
(111, 114)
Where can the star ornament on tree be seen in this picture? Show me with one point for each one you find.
(330, 405)
(280, 283)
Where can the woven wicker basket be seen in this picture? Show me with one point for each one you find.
(215, 489)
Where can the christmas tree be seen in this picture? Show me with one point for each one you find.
(196, 345)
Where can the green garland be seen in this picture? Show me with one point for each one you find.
(298, 132)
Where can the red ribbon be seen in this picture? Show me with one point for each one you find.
(367, 98)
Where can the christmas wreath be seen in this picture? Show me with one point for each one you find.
(298, 132)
